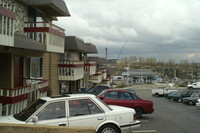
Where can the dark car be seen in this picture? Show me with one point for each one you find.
(97, 89)
(174, 96)
(127, 99)
(192, 100)
(187, 93)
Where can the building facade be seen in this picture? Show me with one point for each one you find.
(29, 50)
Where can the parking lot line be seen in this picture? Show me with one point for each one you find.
(144, 131)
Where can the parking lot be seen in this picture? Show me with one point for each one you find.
(169, 116)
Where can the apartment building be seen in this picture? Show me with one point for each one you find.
(74, 68)
(29, 51)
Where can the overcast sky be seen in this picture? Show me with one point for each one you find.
(164, 29)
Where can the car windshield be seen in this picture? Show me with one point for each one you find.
(27, 112)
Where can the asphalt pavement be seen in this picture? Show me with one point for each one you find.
(168, 116)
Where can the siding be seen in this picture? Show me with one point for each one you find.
(50, 71)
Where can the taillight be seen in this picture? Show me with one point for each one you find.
(134, 117)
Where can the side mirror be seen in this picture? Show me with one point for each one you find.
(102, 97)
(34, 119)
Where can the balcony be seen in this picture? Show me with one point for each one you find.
(96, 78)
(104, 74)
(90, 67)
(46, 33)
(7, 16)
(38, 88)
(106, 82)
(70, 70)
(13, 100)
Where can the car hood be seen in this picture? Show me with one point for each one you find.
(10, 119)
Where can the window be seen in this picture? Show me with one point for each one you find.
(53, 110)
(125, 96)
(33, 67)
(111, 95)
(82, 107)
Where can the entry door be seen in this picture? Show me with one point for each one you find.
(18, 71)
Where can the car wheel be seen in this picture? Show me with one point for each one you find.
(156, 95)
(138, 111)
(109, 128)
(190, 103)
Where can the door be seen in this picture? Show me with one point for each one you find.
(111, 97)
(53, 113)
(18, 71)
(84, 112)
(126, 99)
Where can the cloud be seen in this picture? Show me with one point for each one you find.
(159, 28)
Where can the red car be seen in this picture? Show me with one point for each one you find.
(127, 99)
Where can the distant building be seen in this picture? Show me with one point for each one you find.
(139, 75)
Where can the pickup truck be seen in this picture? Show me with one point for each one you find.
(161, 91)
(195, 85)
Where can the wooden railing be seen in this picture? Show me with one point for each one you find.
(90, 67)
(47, 33)
(7, 10)
(13, 100)
(70, 70)
(38, 88)
(96, 78)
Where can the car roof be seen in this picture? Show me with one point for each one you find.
(122, 90)
(67, 96)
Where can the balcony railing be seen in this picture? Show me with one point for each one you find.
(37, 86)
(13, 100)
(70, 70)
(90, 67)
(104, 74)
(96, 78)
(7, 16)
(47, 33)
(106, 82)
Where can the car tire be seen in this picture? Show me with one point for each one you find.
(191, 103)
(156, 95)
(108, 128)
(138, 111)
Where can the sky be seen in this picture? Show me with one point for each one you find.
(161, 29)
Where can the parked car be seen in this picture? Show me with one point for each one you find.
(161, 91)
(187, 93)
(125, 98)
(195, 85)
(198, 103)
(77, 110)
(97, 89)
(174, 96)
(192, 100)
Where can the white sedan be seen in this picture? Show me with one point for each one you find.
(77, 110)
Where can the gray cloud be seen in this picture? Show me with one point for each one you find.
(164, 29)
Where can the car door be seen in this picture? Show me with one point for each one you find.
(111, 97)
(54, 113)
(126, 99)
(85, 112)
